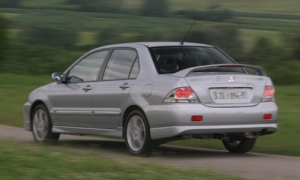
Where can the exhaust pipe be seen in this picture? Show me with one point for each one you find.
(250, 135)
(256, 134)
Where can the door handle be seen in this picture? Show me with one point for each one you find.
(87, 88)
(124, 86)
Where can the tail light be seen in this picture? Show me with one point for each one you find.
(182, 95)
(269, 94)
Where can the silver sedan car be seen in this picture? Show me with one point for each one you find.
(154, 92)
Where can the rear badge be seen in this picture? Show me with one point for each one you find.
(231, 79)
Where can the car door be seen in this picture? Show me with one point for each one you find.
(72, 101)
(110, 94)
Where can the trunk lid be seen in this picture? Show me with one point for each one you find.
(226, 85)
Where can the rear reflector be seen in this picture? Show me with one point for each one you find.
(196, 118)
(267, 116)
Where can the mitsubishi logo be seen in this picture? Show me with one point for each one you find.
(231, 79)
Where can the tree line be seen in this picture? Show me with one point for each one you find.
(42, 50)
(155, 8)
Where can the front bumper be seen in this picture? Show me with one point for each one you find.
(170, 120)
(26, 116)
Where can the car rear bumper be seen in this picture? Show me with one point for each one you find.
(169, 120)
(158, 133)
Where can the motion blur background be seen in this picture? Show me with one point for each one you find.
(39, 37)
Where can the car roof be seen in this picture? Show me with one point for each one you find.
(156, 44)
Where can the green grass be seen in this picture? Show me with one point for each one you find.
(15, 89)
(29, 161)
(285, 140)
(13, 94)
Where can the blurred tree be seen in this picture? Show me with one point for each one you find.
(105, 6)
(11, 3)
(159, 8)
(297, 47)
(73, 1)
(37, 59)
(281, 68)
(3, 33)
(109, 35)
(36, 35)
(196, 36)
(264, 52)
(3, 37)
(261, 46)
(292, 44)
(212, 13)
(224, 37)
(217, 14)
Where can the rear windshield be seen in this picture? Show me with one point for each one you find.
(174, 59)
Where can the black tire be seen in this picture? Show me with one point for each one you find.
(137, 134)
(240, 146)
(42, 125)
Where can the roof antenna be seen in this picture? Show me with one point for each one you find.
(187, 32)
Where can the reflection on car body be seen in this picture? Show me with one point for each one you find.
(154, 92)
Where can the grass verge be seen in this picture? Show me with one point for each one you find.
(13, 94)
(29, 161)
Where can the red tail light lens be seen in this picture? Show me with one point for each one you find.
(269, 94)
(269, 91)
(182, 94)
(187, 92)
(178, 93)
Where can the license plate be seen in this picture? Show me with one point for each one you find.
(230, 95)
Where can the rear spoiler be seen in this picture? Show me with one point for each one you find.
(185, 72)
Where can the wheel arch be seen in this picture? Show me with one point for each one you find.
(127, 112)
(36, 103)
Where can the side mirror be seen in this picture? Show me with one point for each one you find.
(57, 76)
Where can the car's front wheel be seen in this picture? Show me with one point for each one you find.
(42, 126)
(137, 133)
(240, 146)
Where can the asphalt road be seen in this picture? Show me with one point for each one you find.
(250, 165)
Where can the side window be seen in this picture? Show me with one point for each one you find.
(121, 64)
(135, 69)
(88, 68)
